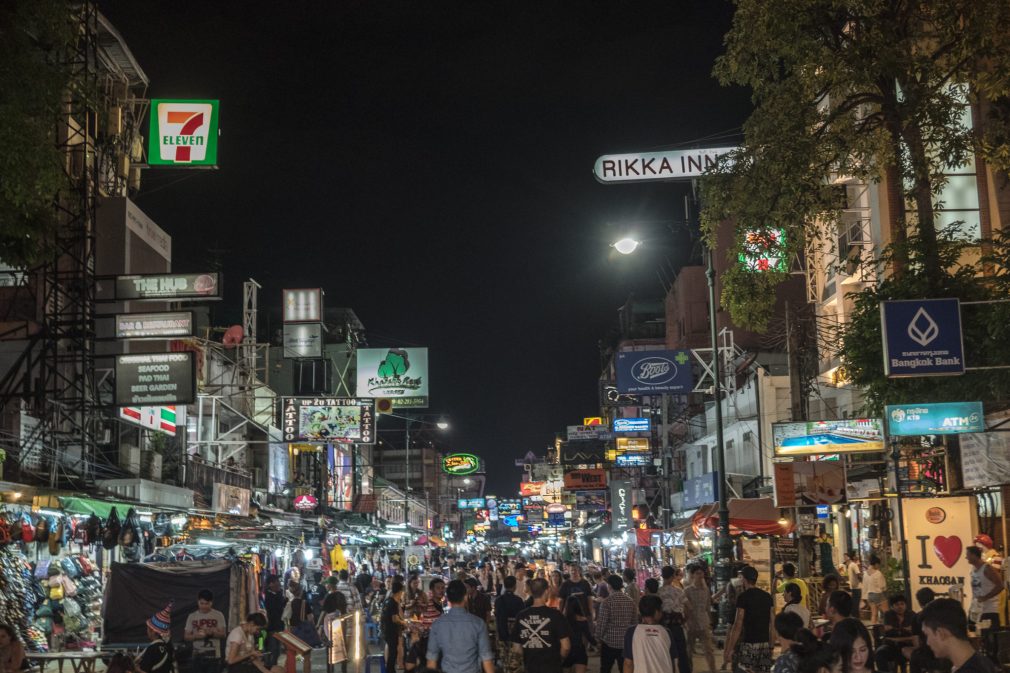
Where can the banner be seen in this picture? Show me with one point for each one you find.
(328, 419)
(620, 505)
(814, 438)
(587, 432)
(632, 425)
(654, 372)
(809, 483)
(985, 459)
(400, 374)
(586, 479)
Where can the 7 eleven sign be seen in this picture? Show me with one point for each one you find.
(183, 133)
(164, 419)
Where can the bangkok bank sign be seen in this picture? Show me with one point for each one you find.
(183, 133)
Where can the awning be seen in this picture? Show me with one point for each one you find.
(753, 516)
(102, 508)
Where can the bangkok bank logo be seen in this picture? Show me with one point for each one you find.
(654, 371)
(183, 131)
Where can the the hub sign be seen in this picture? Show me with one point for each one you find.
(657, 166)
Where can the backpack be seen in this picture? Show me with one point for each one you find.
(93, 529)
(42, 530)
(27, 529)
(112, 529)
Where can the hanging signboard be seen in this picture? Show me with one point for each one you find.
(654, 372)
(591, 501)
(155, 379)
(938, 531)
(577, 433)
(161, 325)
(586, 479)
(632, 425)
(305, 503)
(592, 420)
(531, 488)
(633, 460)
(922, 337)
(400, 374)
(939, 418)
(470, 503)
(811, 438)
(816, 482)
(303, 305)
(620, 505)
(168, 287)
(163, 419)
(985, 459)
(303, 340)
(460, 463)
(510, 506)
(328, 419)
(669, 165)
(183, 133)
(633, 445)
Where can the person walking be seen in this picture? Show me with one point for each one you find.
(648, 647)
(506, 608)
(274, 602)
(788, 576)
(986, 586)
(616, 613)
(674, 609)
(458, 642)
(852, 639)
(749, 645)
(477, 602)
(875, 586)
(630, 587)
(541, 633)
(699, 618)
(205, 628)
(392, 624)
(854, 573)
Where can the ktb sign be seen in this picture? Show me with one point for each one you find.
(922, 337)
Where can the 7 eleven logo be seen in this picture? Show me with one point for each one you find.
(184, 131)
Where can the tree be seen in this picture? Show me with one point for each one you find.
(34, 37)
(874, 89)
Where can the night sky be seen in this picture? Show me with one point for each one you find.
(429, 164)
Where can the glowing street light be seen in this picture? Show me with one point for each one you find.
(627, 245)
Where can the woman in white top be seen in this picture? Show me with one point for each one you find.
(875, 589)
(794, 603)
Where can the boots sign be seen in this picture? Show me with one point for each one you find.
(938, 530)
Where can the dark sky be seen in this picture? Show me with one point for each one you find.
(429, 164)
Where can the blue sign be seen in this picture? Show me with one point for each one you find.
(555, 518)
(633, 459)
(632, 425)
(470, 503)
(940, 418)
(823, 511)
(509, 507)
(512, 520)
(922, 337)
(701, 490)
(654, 372)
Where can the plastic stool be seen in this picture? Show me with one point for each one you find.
(372, 633)
(370, 658)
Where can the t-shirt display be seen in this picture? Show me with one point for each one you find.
(208, 622)
(757, 614)
(539, 631)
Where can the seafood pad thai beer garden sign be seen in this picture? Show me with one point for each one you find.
(460, 464)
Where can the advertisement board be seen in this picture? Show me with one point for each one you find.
(231, 499)
(587, 432)
(591, 501)
(985, 459)
(340, 483)
(922, 337)
(400, 374)
(633, 460)
(303, 305)
(161, 325)
(470, 503)
(303, 341)
(620, 505)
(155, 379)
(531, 488)
(632, 425)
(279, 467)
(592, 420)
(810, 438)
(764, 251)
(809, 483)
(633, 445)
(654, 372)
(168, 287)
(460, 464)
(510, 506)
(585, 479)
(328, 419)
(701, 490)
(164, 419)
(183, 133)
(940, 418)
(938, 531)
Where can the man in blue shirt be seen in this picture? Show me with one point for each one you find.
(458, 638)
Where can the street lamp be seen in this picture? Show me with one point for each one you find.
(627, 245)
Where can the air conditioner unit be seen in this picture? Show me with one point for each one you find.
(150, 465)
(129, 458)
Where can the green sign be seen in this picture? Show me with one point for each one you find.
(183, 133)
(764, 251)
(460, 463)
(940, 418)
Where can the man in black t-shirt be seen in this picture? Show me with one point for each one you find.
(541, 633)
(576, 588)
(946, 629)
(749, 645)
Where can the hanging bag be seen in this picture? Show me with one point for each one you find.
(112, 529)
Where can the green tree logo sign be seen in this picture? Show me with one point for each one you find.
(391, 376)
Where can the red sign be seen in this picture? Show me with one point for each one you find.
(306, 503)
(586, 479)
(531, 488)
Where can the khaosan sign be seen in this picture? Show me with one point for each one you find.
(183, 133)
(657, 166)
(654, 372)
(328, 419)
(922, 337)
(399, 374)
(460, 463)
(812, 438)
(940, 418)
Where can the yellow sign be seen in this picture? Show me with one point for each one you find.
(592, 420)
(633, 445)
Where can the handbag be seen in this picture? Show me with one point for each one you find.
(304, 630)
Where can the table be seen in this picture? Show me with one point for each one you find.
(82, 662)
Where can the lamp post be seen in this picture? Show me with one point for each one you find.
(442, 424)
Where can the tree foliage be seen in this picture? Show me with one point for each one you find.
(873, 89)
(986, 339)
(34, 36)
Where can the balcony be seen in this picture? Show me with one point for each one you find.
(202, 475)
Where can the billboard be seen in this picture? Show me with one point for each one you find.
(303, 305)
(510, 506)
(460, 463)
(155, 379)
(168, 287)
(818, 482)
(941, 418)
(531, 488)
(303, 341)
(591, 501)
(632, 425)
(328, 419)
(764, 251)
(586, 479)
(164, 419)
(701, 490)
(633, 445)
(400, 374)
(183, 133)
(161, 325)
(633, 460)
(812, 438)
(922, 337)
(620, 505)
(470, 503)
(587, 432)
(654, 372)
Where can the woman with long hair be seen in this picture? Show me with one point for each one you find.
(578, 658)
(852, 639)
(554, 589)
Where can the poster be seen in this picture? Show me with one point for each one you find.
(340, 486)
(985, 459)
(757, 552)
(938, 530)
(809, 483)
(328, 419)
